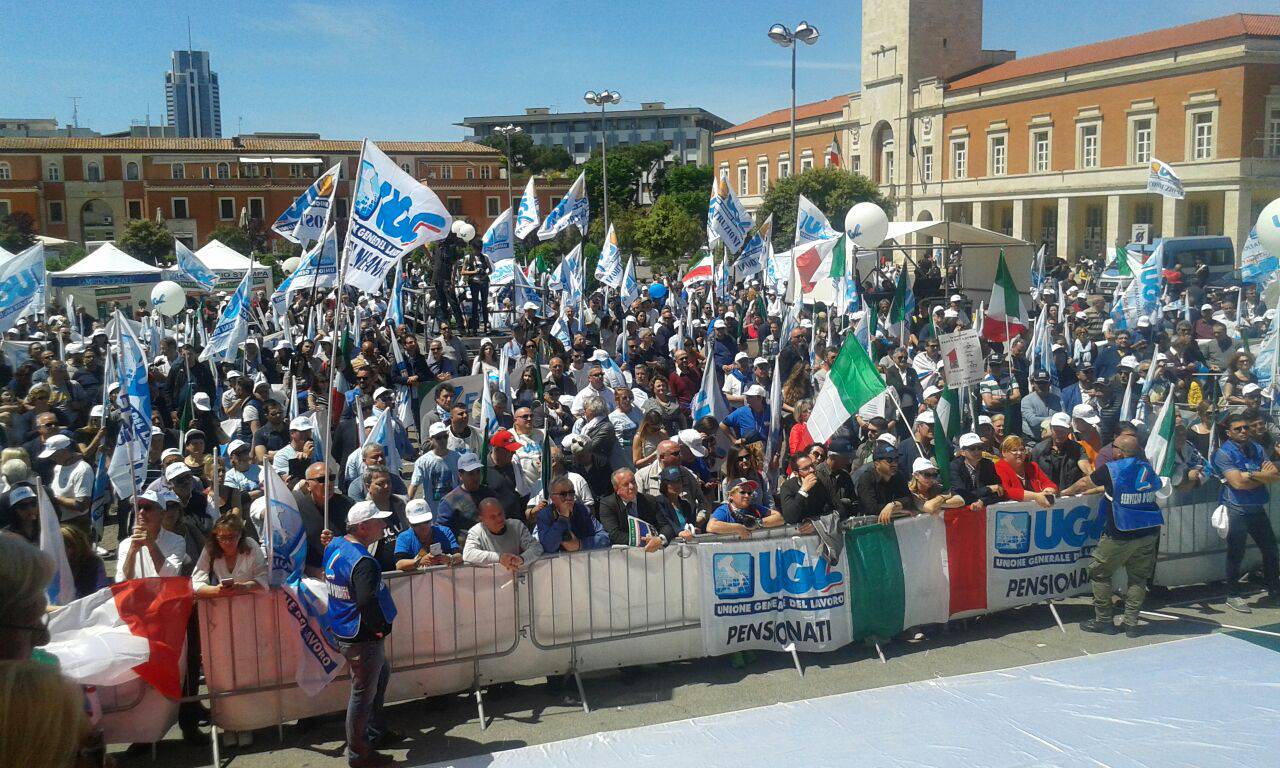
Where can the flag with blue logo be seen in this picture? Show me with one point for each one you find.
(62, 589)
(811, 223)
(573, 210)
(567, 275)
(308, 216)
(609, 266)
(190, 267)
(527, 214)
(318, 268)
(1142, 296)
(727, 220)
(392, 214)
(395, 305)
(724, 279)
(1162, 180)
(128, 467)
(497, 244)
(284, 537)
(384, 433)
(1037, 267)
(630, 290)
(524, 291)
(754, 254)
(560, 328)
(709, 400)
(22, 279)
(233, 324)
(1257, 265)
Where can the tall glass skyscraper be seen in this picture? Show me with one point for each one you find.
(191, 96)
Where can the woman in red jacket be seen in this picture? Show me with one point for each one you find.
(1022, 478)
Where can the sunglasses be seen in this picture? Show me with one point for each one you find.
(563, 494)
(931, 473)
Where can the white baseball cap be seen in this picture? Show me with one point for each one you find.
(1060, 419)
(931, 391)
(741, 356)
(755, 390)
(985, 420)
(969, 440)
(55, 444)
(233, 374)
(921, 464)
(599, 356)
(175, 470)
(417, 511)
(1084, 412)
(1128, 361)
(236, 445)
(888, 437)
(301, 424)
(96, 411)
(574, 443)
(956, 297)
(469, 462)
(169, 452)
(528, 305)
(950, 314)
(201, 401)
(760, 361)
(20, 493)
(692, 439)
(437, 429)
(363, 511)
(1250, 388)
(925, 417)
(379, 392)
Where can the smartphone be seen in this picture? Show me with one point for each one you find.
(435, 549)
(227, 583)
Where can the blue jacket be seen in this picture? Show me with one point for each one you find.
(551, 529)
(1247, 459)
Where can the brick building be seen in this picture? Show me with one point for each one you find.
(87, 189)
(1051, 148)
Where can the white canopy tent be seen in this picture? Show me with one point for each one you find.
(104, 277)
(978, 268)
(229, 265)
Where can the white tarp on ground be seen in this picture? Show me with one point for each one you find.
(1208, 702)
(979, 270)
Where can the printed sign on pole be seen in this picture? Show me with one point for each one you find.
(962, 358)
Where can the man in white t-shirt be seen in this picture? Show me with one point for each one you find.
(72, 481)
(151, 550)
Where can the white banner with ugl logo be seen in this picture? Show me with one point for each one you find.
(770, 594)
(1037, 554)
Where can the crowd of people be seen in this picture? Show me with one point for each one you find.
(595, 438)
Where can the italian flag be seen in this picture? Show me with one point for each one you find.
(1160, 447)
(853, 382)
(904, 304)
(946, 427)
(637, 531)
(919, 570)
(136, 628)
(702, 271)
(1005, 315)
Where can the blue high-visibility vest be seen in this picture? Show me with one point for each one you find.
(340, 559)
(1134, 483)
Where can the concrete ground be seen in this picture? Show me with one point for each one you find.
(529, 713)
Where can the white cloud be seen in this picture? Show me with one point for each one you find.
(335, 22)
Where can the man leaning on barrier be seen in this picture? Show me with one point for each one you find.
(1246, 471)
(360, 614)
(424, 543)
(627, 502)
(497, 540)
(566, 525)
(1131, 538)
(739, 517)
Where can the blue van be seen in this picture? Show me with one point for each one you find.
(1185, 254)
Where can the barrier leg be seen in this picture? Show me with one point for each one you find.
(1054, 610)
(582, 694)
(1232, 627)
(480, 709)
(213, 741)
(880, 653)
(795, 658)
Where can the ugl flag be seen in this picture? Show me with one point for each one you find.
(852, 383)
(811, 223)
(727, 220)
(392, 214)
(305, 220)
(1162, 180)
(62, 589)
(709, 400)
(497, 244)
(128, 467)
(609, 266)
(754, 253)
(190, 267)
(527, 214)
(22, 279)
(702, 271)
(317, 269)
(630, 289)
(132, 629)
(233, 324)
(573, 210)
(1005, 316)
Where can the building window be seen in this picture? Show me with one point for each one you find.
(1198, 218)
(762, 178)
(55, 212)
(1142, 213)
(1202, 136)
(784, 168)
(855, 163)
(295, 170)
(446, 171)
(226, 208)
(206, 172)
(806, 161)
(486, 171)
(959, 158)
(579, 148)
(999, 155)
(471, 172)
(180, 208)
(53, 172)
(1089, 141)
(926, 164)
(256, 209)
(224, 171)
(551, 206)
(405, 167)
(134, 207)
(341, 208)
(6, 173)
(131, 171)
(178, 171)
(743, 175)
(454, 205)
(1271, 142)
(93, 172)
(491, 206)
(1040, 151)
(1142, 141)
(5, 208)
(251, 171)
(1049, 224)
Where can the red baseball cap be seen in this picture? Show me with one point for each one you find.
(505, 440)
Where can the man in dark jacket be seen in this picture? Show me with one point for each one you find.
(880, 488)
(975, 478)
(803, 497)
(626, 501)
(835, 475)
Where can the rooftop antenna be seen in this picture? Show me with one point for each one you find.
(189, 34)
(75, 110)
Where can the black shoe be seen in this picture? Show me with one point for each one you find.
(1099, 627)
(1132, 630)
(138, 748)
(386, 739)
(371, 760)
(195, 737)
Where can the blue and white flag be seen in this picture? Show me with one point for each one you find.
(284, 537)
(318, 268)
(527, 214)
(573, 210)
(190, 267)
(1037, 268)
(775, 278)
(1142, 296)
(308, 216)
(523, 290)
(393, 213)
(630, 288)
(498, 244)
(811, 223)
(609, 267)
(22, 279)
(307, 602)
(233, 324)
(62, 589)
(395, 305)
(128, 468)
(709, 400)
(566, 276)
(384, 433)
(755, 252)
(1162, 180)
(1257, 265)
(727, 220)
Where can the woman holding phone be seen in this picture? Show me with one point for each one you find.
(1022, 478)
(231, 561)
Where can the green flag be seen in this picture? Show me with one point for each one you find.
(1122, 262)
(946, 425)
(1161, 450)
(838, 262)
(852, 383)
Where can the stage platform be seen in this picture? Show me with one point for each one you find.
(1202, 702)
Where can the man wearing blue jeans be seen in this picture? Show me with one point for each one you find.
(360, 616)
(1246, 472)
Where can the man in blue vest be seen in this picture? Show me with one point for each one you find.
(1242, 463)
(360, 616)
(1131, 538)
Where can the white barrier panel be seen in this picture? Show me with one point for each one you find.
(134, 712)
(1191, 551)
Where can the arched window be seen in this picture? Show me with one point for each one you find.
(93, 172)
(224, 171)
(131, 171)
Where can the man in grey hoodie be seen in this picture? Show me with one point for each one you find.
(497, 539)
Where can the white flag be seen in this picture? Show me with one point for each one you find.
(630, 290)
(1162, 179)
(22, 280)
(811, 223)
(609, 266)
(727, 220)
(497, 244)
(233, 324)
(573, 210)
(62, 589)
(134, 439)
(527, 215)
(392, 214)
(306, 219)
(757, 250)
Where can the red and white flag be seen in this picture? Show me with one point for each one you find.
(136, 628)
(1005, 316)
(702, 271)
(833, 153)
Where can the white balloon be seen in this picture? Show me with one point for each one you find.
(866, 224)
(454, 226)
(1268, 227)
(465, 231)
(168, 298)
(290, 264)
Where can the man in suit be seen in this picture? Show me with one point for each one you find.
(803, 497)
(627, 501)
(974, 479)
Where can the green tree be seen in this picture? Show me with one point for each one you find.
(17, 231)
(685, 177)
(666, 234)
(56, 261)
(527, 157)
(552, 158)
(147, 241)
(834, 191)
(231, 236)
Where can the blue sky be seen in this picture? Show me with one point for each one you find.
(409, 70)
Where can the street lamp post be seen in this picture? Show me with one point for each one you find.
(507, 131)
(804, 33)
(600, 100)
